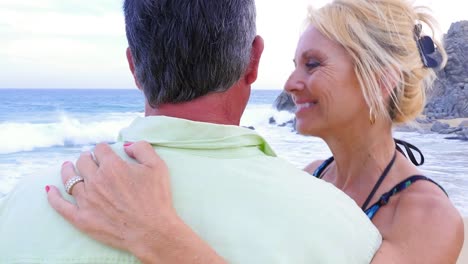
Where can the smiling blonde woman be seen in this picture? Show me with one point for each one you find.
(361, 67)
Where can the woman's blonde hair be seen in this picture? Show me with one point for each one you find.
(379, 36)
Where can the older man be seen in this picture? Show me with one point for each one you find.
(195, 61)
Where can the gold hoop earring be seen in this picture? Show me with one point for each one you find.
(371, 117)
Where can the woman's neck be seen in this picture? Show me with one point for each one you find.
(361, 154)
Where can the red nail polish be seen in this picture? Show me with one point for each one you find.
(128, 144)
(47, 188)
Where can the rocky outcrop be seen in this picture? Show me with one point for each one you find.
(449, 96)
(284, 102)
(443, 128)
(461, 132)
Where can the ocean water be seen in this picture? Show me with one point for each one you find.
(42, 128)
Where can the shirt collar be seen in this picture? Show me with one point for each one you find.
(182, 133)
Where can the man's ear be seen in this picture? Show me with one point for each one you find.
(131, 65)
(255, 55)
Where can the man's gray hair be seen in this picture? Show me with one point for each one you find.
(184, 49)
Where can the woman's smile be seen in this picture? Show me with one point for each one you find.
(303, 107)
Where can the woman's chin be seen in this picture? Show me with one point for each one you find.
(307, 129)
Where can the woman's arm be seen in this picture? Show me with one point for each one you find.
(426, 229)
(129, 206)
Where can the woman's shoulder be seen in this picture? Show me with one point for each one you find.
(425, 200)
(423, 195)
(426, 218)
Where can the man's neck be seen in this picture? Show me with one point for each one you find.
(214, 108)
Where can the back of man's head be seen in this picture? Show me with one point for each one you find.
(184, 49)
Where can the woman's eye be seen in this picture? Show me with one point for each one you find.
(312, 64)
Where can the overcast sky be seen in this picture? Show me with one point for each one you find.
(81, 44)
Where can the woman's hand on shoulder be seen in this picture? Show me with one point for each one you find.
(129, 206)
(426, 228)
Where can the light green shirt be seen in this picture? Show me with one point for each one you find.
(227, 184)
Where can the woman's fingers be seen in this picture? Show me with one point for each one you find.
(144, 153)
(66, 209)
(73, 182)
(86, 165)
(103, 151)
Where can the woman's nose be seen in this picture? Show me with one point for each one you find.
(294, 83)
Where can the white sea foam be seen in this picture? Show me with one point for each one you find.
(87, 130)
(259, 115)
(66, 131)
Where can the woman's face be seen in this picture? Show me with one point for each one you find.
(324, 86)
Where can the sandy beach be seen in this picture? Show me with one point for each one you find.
(453, 122)
(463, 259)
(426, 126)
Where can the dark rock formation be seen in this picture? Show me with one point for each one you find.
(272, 121)
(291, 122)
(439, 126)
(460, 135)
(449, 97)
(443, 128)
(284, 102)
(463, 135)
(423, 120)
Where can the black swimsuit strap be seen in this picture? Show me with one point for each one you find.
(403, 185)
(319, 171)
(385, 198)
(379, 182)
(408, 148)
